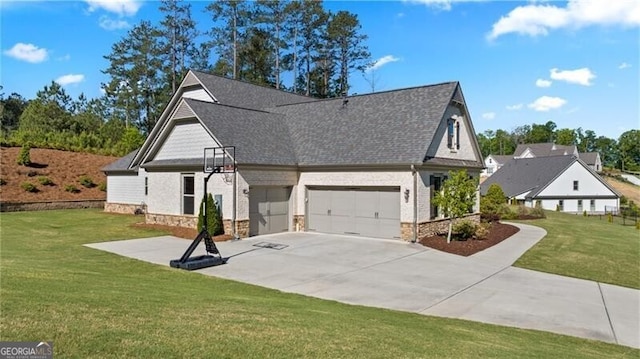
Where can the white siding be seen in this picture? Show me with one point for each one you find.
(190, 80)
(588, 184)
(186, 140)
(128, 189)
(183, 111)
(466, 151)
(571, 205)
(198, 94)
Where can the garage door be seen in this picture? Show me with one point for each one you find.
(268, 210)
(371, 212)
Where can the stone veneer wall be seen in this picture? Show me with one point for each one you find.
(124, 208)
(172, 220)
(242, 228)
(431, 228)
(298, 223)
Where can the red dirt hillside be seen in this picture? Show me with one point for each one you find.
(62, 167)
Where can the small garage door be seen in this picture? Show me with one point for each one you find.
(371, 212)
(268, 210)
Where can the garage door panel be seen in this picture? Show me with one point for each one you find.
(268, 210)
(367, 226)
(342, 203)
(388, 228)
(389, 206)
(366, 204)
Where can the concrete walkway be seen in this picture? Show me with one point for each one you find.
(410, 277)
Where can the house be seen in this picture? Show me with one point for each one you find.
(492, 163)
(564, 183)
(592, 159)
(364, 165)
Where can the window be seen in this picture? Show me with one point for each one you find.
(579, 205)
(561, 205)
(146, 186)
(450, 134)
(575, 185)
(592, 205)
(188, 194)
(436, 184)
(490, 161)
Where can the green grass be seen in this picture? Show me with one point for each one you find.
(96, 304)
(586, 247)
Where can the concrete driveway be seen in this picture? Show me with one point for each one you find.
(409, 277)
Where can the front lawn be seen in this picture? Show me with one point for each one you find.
(586, 247)
(94, 304)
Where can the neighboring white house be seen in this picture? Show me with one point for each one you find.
(492, 163)
(363, 165)
(592, 159)
(561, 182)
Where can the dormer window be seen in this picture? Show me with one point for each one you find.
(453, 134)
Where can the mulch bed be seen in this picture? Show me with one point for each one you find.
(497, 233)
(181, 232)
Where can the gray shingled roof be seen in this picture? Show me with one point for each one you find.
(243, 94)
(544, 149)
(259, 137)
(393, 127)
(588, 157)
(520, 175)
(122, 164)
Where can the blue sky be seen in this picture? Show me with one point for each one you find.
(575, 63)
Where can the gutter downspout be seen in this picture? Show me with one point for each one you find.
(415, 204)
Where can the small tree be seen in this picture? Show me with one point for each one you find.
(214, 219)
(24, 157)
(458, 194)
(492, 202)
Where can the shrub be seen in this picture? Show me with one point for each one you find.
(24, 157)
(465, 228)
(71, 188)
(491, 203)
(610, 218)
(557, 208)
(2, 182)
(482, 230)
(86, 181)
(29, 187)
(214, 219)
(623, 200)
(489, 217)
(537, 211)
(508, 213)
(522, 211)
(584, 213)
(45, 181)
(102, 186)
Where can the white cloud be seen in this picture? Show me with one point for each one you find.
(489, 115)
(382, 61)
(66, 57)
(538, 19)
(515, 107)
(70, 79)
(543, 83)
(120, 7)
(27, 52)
(546, 103)
(581, 76)
(110, 24)
(624, 65)
(439, 4)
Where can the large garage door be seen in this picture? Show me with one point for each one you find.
(268, 210)
(371, 212)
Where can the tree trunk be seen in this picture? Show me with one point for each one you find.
(277, 56)
(450, 227)
(235, 44)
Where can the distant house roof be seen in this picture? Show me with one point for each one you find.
(122, 164)
(501, 159)
(589, 158)
(521, 175)
(544, 149)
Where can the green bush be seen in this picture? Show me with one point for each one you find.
(537, 211)
(2, 182)
(87, 182)
(24, 157)
(507, 213)
(610, 218)
(584, 213)
(214, 219)
(29, 187)
(45, 181)
(623, 200)
(464, 229)
(71, 188)
(102, 186)
(522, 211)
(491, 203)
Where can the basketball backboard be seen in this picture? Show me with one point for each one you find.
(220, 159)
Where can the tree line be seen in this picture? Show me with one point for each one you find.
(263, 42)
(621, 153)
